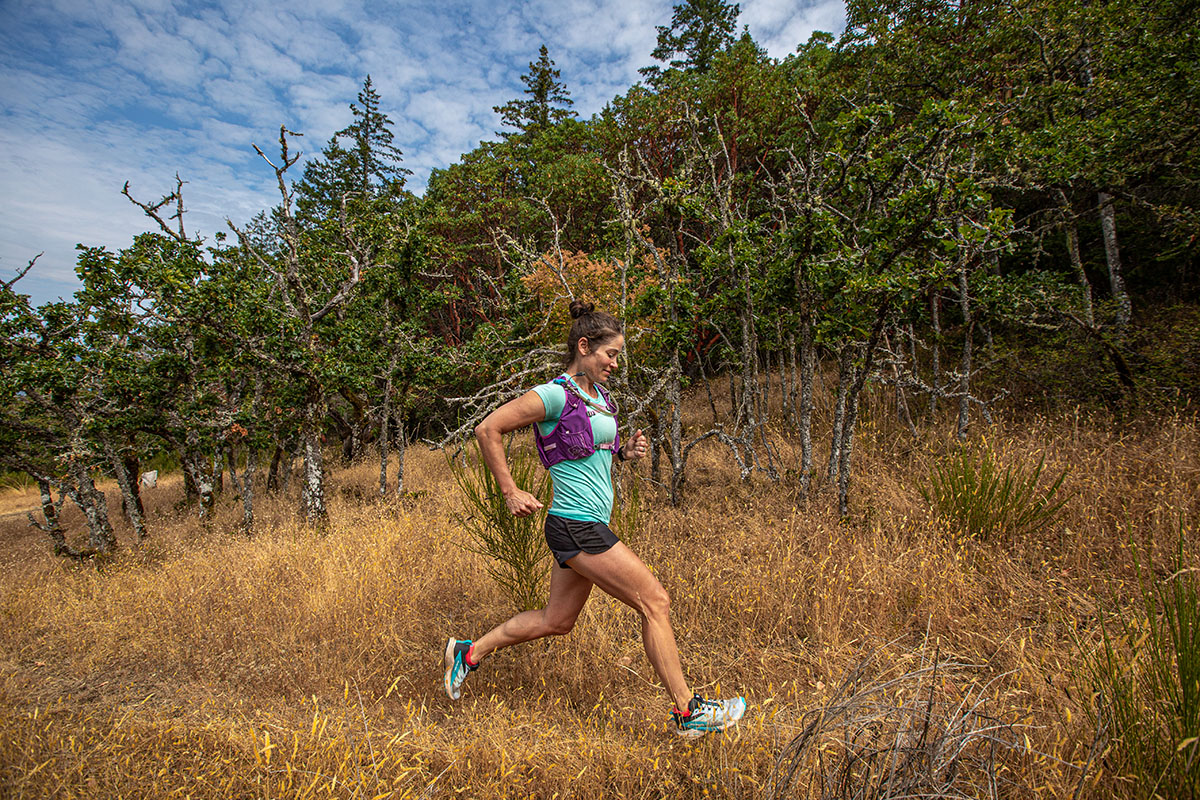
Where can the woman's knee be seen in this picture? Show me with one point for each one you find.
(656, 603)
(558, 625)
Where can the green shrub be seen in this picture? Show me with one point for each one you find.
(981, 498)
(518, 559)
(1146, 676)
(627, 508)
(16, 481)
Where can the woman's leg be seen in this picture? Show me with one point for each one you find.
(622, 574)
(568, 592)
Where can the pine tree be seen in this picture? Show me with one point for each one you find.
(359, 159)
(373, 158)
(545, 92)
(700, 29)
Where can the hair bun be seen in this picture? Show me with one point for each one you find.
(579, 308)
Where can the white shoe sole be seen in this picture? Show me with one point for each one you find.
(448, 668)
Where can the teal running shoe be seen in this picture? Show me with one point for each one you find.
(457, 667)
(705, 716)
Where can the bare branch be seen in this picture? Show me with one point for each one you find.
(358, 261)
(9, 284)
(152, 211)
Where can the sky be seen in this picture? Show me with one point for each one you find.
(94, 93)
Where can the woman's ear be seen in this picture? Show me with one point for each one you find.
(582, 346)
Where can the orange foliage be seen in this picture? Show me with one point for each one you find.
(555, 279)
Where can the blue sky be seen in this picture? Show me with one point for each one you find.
(96, 93)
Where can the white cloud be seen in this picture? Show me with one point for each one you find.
(781, 25)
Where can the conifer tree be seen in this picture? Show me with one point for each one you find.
(548, 102)
(699, 30)
(359, 159)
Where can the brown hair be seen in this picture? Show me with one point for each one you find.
(595, 326)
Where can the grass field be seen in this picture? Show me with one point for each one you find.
(292, 664)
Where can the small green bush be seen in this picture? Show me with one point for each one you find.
(983, 499)
(518, 559)
(1146, 676)
(17, 481)
(627, 510)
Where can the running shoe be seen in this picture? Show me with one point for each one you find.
(705, 716)
(457, 667)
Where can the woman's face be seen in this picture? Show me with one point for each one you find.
(600, 360)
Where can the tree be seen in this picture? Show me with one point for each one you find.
(51, 403)
(699, 30)
(207, 333)
(311, 286)
(360, 162)
(548, 102)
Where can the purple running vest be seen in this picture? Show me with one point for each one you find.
(571, 438)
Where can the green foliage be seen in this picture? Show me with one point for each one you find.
(1146, 675)
(15, 481)
(984, 499)
(829, 193)
(627, 513)
(1165, 353)
(514, 546)
(359, 163)
(545, 92)
(699, 30)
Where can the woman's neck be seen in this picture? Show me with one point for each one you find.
(581, 380)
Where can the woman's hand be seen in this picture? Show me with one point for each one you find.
(636, 447)
(521, 503)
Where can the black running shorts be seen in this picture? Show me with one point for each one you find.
(568, 538)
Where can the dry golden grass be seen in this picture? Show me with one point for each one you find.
(294, 664)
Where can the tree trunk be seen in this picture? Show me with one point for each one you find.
(655, 445)
(1108, 219)
(218, 472)
(191, 492)
(845, 380)
(790, 408)
(965, 365)
(285, 467)
(935, 355)
(1072, 232)
(808, 376)
(133, 468)
(846, 448)
(401, 448)
(94, 505)
(674, 396)
(749, 410)
(248, 487)
(1112, 256)
(359, 419)
(50, 516)
(131, 500)
(200, 479)
(245, 484)
(195, 471)
(273, 472)
(313, 491)
(902, 412)
(384, 420)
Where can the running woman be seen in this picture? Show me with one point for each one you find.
(576, 432)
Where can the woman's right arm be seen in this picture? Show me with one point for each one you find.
(513, 415)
